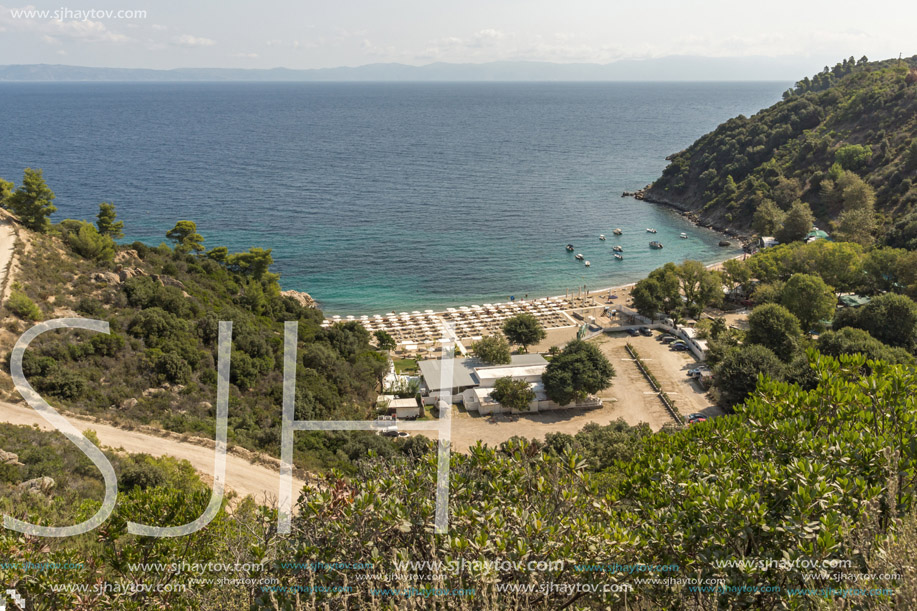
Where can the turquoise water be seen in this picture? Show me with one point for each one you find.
(378, 197)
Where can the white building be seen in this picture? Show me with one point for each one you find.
(473, 382)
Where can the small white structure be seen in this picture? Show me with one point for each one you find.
(767, 242)
(405, 408)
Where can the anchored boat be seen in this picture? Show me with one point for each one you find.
(683, 236)
(587, 263)
(656, 245)
(569, 247)
(578, 257)
(617, 232)
(619, 257)
(602, 237)
(617, 248)
(650, 230)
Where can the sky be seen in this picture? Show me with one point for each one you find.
(322, 34)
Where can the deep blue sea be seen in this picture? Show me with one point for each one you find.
(378, 197)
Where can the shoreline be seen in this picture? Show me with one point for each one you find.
(589, 293)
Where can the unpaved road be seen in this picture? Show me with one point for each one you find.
(7, 246)
(243, 477)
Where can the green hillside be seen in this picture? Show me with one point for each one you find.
(158, 365)
(843, 142)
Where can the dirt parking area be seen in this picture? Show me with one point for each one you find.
(671, 369)
(630, 398)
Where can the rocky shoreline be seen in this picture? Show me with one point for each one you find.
(644, 194)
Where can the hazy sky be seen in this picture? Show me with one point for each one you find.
(310, 34)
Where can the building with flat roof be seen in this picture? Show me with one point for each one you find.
(464, 372)
(473, 383)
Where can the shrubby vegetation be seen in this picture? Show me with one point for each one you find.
(839, 150)
(163, 305)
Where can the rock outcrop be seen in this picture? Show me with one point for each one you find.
(303, 299)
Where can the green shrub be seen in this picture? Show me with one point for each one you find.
(23, 307)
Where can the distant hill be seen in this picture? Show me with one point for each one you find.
(676, 68)
(852, 124)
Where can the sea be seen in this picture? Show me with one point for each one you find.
(378, 197)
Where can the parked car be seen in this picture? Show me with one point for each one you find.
(389, 433)
(646, 331)
(633, 332)
(668, 339)
(698, 371)
(679, 347)
(695, 418)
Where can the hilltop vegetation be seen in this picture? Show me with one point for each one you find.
(839, 150)
(163, 304)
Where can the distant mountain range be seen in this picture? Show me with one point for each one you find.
(676, 68)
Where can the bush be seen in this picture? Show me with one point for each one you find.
(171, 368)
(23, 307)
(62, 384)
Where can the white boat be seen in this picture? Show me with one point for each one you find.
(578, 257)
(649, 230)
(656, 245)
(587, 263)
(602, 237)
(617, 232)
(683, 236)
(617, 248)
(619, 257)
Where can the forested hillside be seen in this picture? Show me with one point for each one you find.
(841, 145)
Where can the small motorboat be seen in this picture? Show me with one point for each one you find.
(569, 247)
(725, 243)
(649, 230)
(588, 264)
(656, 245)
(617, 248)
(683, 236)
(617, 232)
(578, 257)
(619, 257)
(602, 237)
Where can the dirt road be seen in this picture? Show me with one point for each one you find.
(242, 476)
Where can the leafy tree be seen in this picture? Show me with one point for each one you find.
(769, 218)
(786, 191)
(513, 394)
(857, 226)
(107, 223)
(700, 286)
(31, 202)
(493, 349)
(850, 340)
(880, 270)
(658, 292)
(580, 369)
(736, 376)
(854, 193)
(809, 299)
(737, 274)
(384, 340)
(892, 319)
(186, 237)
(524, 330)
(798, 223)
(773, 326)
(838, 263)
(853, 156)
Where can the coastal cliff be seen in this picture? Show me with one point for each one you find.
(843, 139)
